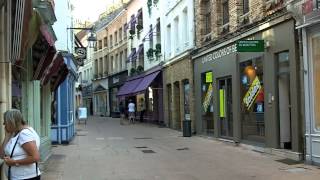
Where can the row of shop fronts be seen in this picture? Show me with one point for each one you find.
(266, 98)
(252, 97)
(36, 78)
(247, 97)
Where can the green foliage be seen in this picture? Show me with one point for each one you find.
(139, 69)
(150, 53)
(132, 71)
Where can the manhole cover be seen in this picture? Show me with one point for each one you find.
(288, 161)
(141, 147)
(295, 170)
(115, 138)
(148, 151)
(182, 149)
(142, 138)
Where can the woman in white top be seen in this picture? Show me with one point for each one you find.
(20, 148)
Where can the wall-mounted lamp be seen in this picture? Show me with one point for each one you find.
(92, 39)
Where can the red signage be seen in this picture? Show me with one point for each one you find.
(307, 7)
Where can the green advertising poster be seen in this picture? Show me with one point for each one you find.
(222, 103)
(209, 77)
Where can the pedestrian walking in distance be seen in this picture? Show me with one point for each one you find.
(131, 110)
(20, 148)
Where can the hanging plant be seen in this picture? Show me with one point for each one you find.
(150, 53)
(157, 51)
(132, 31)
(155, 2)
(139, 27)
(133, 71)
(139, 69)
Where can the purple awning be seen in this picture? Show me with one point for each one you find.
(146, 81)
(132, 55)
(129, 87)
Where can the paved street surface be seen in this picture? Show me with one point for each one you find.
(105, 150)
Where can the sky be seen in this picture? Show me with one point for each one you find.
(90, 9)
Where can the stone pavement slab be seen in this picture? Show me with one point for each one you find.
(105, 150)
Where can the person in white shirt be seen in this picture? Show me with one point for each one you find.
(131, 110)
(20, 148)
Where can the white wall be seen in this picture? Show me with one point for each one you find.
(156, 12)
(180, 17)
(64, 20)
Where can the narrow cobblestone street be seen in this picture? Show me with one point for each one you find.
(104, 149)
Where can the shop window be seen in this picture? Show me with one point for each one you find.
(207, 102)
(252, 100)
(316, 80)
(114, 100)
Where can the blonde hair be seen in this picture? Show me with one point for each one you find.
(14, 118)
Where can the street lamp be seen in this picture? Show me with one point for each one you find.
(92, 39)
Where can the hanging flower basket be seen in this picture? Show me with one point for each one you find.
(157, 51)
(139, 69)
(139, 27)
(150, 53)
(132, 31)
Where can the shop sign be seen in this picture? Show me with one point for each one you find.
(140, 102)
(220, 53)
(207, 98)
(209, 77)
(252, 93)
(250, 46)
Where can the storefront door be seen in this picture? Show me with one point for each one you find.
(225, 107)
(284, 104)
(313, 107)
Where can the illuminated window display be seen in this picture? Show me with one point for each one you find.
(252, 100)
(207, 102)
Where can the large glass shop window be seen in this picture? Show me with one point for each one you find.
(207, 102)
(252, 100)
(316, 79)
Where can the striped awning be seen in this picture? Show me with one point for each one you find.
(23, 13)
